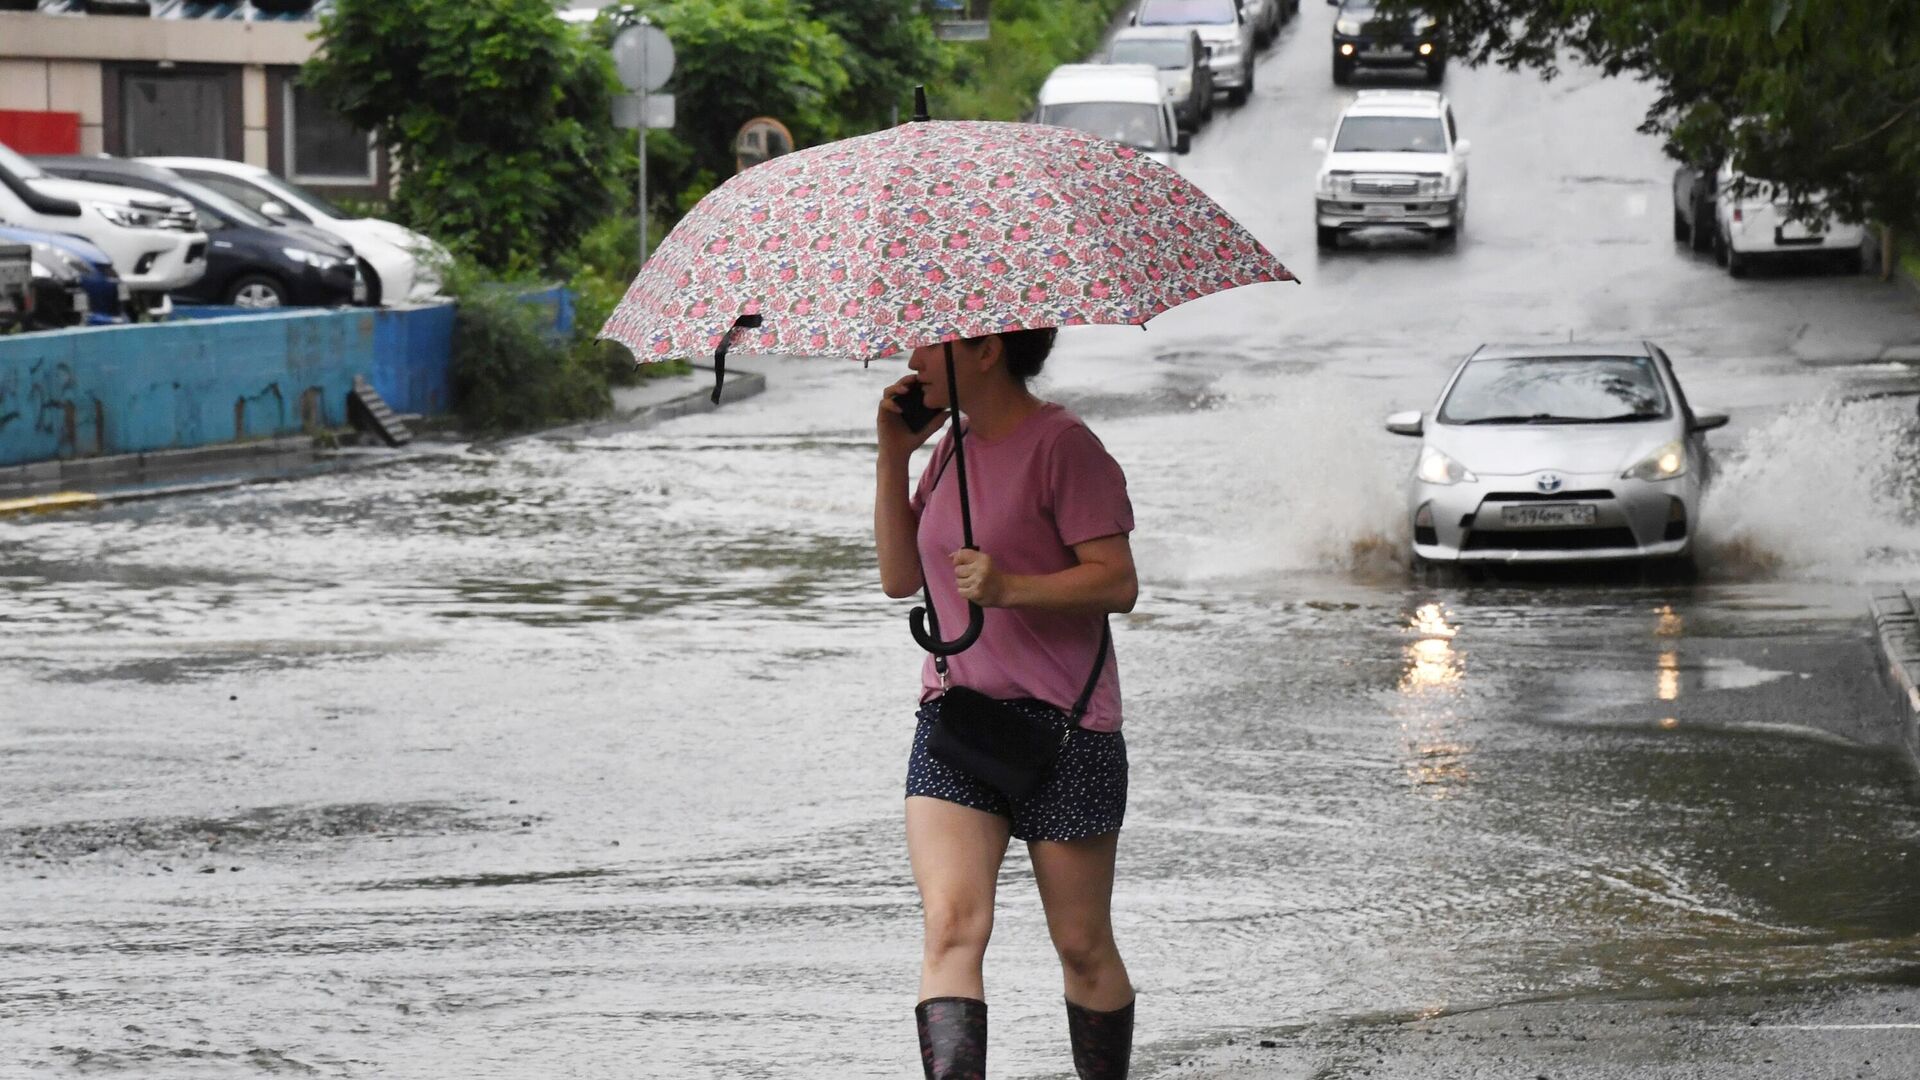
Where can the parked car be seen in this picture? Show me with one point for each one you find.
(16, 285)
(1693, 198)
(107, 296)
(1181, 60)
(399, 265)
(1395, 159)
(1222, 26)
(1364, 35)
(1753, 220)
(1556, 454)
(251, 260)
(1121, 102)
(155, 241)
(1266, 16)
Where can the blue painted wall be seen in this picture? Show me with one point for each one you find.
(162, 386)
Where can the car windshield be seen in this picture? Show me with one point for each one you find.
(1164, 53)
(1187, 13)
(209, 201)
(1556, 390)
(1391, 134)
(19, 166)
(307, 196)
(1136, 124)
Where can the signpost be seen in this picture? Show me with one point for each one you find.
(960, 20)
(644, 59)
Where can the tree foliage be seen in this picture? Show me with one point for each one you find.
(498, 113)
(1821, 97)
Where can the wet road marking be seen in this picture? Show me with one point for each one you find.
(58, 500)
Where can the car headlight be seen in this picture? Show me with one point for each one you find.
(1437, 468)
(1348, 27)
(126, 217)
(1432, 185)
(1663, 464)
(42, 270)
(317, 260)
(1184, 86)
(57, 262)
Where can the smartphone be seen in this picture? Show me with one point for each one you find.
(914, 411)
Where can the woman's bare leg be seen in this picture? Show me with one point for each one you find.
(1076, 887)
(956, 853)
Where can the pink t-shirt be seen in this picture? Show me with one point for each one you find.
(1035, 492)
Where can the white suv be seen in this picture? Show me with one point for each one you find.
(1395, 159)
(154, 240)
(1753, 220)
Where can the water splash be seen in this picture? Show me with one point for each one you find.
(1823, 492)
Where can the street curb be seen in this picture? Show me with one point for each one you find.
(739, 386)
(21, 480)
(1897, 634)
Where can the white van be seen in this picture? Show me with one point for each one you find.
(155, 241)
(1121, 102)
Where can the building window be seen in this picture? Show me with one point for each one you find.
(321, 146)
(175, 114)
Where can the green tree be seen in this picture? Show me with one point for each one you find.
(498, 112)
(735, 60)
(891, 49)
(1817, 96)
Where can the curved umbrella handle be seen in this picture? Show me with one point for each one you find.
(930, 641)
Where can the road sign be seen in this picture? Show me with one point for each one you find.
(644, 58)
(634, 111)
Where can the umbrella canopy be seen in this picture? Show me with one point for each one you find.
(930, 232)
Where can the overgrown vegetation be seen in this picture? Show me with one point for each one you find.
(999, 78)
(1817, 96)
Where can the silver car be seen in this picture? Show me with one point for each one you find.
(1562, 453)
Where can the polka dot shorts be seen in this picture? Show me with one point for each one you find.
(1083, 795)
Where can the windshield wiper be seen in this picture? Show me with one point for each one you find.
(1623, 418)
(1536, 418)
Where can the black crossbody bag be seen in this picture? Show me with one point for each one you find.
(986, 737)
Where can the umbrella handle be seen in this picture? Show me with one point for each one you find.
(744, 322)
(976, 621)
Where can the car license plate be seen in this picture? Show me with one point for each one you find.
(1387, 52)
(1548, 515)
(1383, 209)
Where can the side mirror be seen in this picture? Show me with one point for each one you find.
(1184, 144)
(1133, 19)
(1320, 145)
(1407, 423)
(1209, 50)
(1709, 421)
(1463, 147)
(276, 210)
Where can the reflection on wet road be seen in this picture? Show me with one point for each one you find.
(590, 756)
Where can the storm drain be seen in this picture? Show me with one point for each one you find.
(368, 411)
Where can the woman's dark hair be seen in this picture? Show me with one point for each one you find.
(1026, 350)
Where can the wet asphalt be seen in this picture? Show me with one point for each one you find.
(584, 759)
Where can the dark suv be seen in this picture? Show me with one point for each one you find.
(1365, 35)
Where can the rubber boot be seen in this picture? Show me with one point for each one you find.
(953, 1038)
(1102, 1041)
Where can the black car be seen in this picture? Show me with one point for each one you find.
(1365, 35)
(252, 261)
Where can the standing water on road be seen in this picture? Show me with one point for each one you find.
(585, 759)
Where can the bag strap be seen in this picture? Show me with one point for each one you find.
(933, 621)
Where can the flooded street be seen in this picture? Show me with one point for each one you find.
(585, 760)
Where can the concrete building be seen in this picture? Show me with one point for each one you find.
(178, 77)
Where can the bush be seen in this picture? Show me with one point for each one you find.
(1000, 78)
(510, 371)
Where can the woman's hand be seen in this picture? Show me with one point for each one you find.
(896, 439)
(979, 581)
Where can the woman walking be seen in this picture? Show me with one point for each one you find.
(1051, 518)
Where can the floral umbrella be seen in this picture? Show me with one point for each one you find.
(930, 232)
